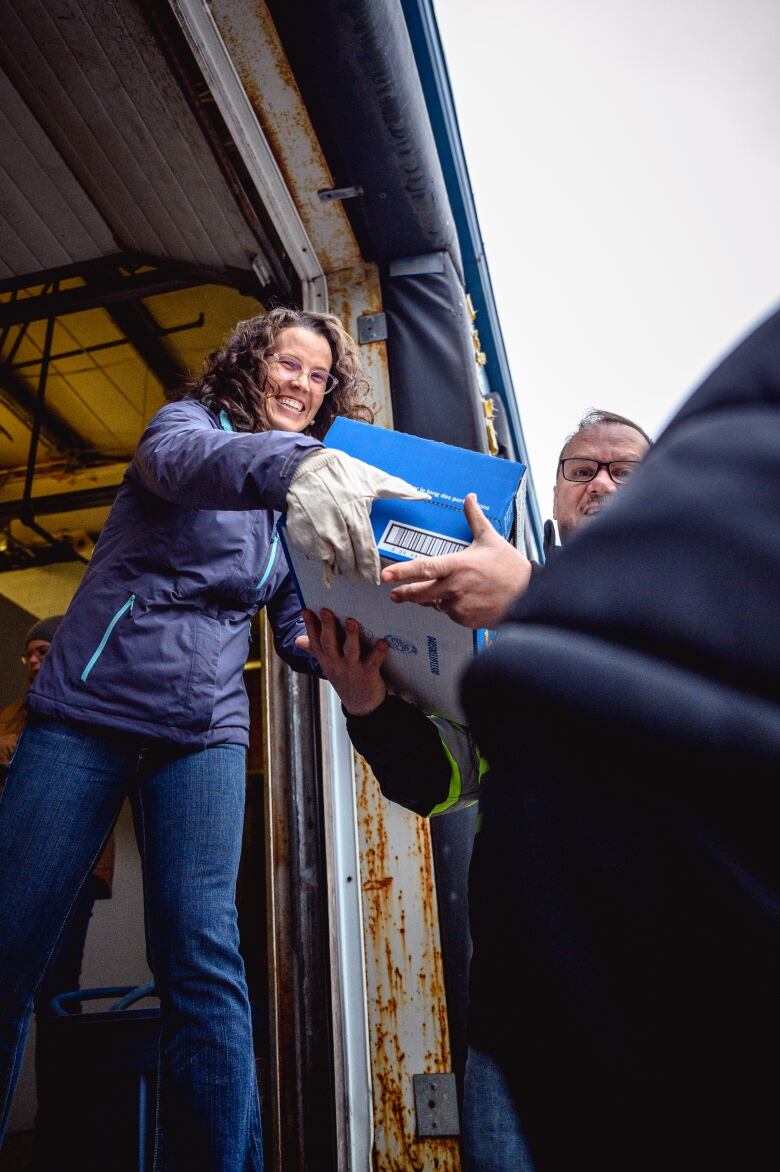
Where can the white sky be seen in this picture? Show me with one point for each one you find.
(625, 160)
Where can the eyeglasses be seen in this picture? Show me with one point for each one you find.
(290, 368)
(580, 470)
(38, 653)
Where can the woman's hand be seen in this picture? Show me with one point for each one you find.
(354, 676)
(328, 511)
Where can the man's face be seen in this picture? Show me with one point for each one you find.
(34, 655)
(574, 503)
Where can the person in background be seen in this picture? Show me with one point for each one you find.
(64, 968)
(432, 766)
(14, 716)
(63, 971)
(477, 587)
(142, 692)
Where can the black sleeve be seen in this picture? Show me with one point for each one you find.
(404, 750)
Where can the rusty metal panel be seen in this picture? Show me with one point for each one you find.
(406, 999)
(250, 36)
(354, 292)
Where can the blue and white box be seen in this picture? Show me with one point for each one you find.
(428, 651)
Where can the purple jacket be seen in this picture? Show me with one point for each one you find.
(156, 637)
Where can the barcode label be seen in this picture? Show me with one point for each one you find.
(417, 543)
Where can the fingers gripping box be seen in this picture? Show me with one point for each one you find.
(428, 650)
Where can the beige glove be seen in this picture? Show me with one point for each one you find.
(328, 507)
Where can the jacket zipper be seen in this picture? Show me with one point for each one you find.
(270, 562)
(127, 607)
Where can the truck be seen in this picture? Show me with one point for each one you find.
(170, 167)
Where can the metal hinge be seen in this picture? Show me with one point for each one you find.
(329, 194)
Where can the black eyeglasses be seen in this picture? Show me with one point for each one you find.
(580, 470)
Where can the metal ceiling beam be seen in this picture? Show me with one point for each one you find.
(105, 285)
(97, 295)
(26, 558)
(60, 502)
(196, 324)
(142, 332)
(27, 511)
(244, 280)
(18, 398)
(60, 273)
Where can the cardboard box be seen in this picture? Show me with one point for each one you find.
(428, 651)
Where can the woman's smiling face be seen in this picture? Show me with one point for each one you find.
(293, 401)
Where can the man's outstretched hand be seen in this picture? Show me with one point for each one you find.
(475, 587)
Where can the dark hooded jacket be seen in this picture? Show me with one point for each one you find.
(630, 712)
(156, 637)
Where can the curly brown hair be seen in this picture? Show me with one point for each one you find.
(235, 377)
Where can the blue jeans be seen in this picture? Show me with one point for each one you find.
(63, 794)
(63, 972)
(62, 975)
(492, 1139)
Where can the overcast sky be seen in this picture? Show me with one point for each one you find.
(625, 160)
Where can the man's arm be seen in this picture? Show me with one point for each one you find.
(354, 675)
(476, 587)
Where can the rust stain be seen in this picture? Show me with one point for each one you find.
(407, 1012)
(273, 92)
(406, 1005)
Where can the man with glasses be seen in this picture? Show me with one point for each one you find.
(14, 716)
(477, 587)
(599, 458)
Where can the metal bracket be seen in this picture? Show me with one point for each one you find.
(329, 194)
(372, 327)
(436, 1105)
(262, 269)
(417, 266)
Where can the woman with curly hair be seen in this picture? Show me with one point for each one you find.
(142, 694)
(243, 376)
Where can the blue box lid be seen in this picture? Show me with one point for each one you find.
(406, 529)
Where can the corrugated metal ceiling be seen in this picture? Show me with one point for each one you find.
(107, 152)
(101, 149)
